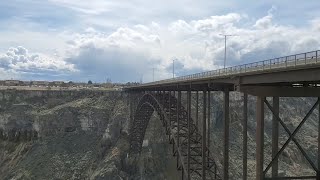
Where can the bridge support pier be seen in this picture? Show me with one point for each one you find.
(260, 138)
(169, 127)
(178, 126)
(318, 173)
(208, 125)
(204, 130)
(245, 135)
(197, 109)
(189, 133)
(226, 135)
(275, 136)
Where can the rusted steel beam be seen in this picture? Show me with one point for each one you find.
(208, 126)
(318, 173)
(275, 135)
(293, 177)
(204, 129)
(278, 91)
(170, 109)
(226, 135)
(189, 133)
(163, 97)
(197, 109)
(291, 137)
(130, 106)
(260, 138)
(245, 135)
(178, 124)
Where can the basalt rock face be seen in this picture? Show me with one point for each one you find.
(75, 135)
(25, 115)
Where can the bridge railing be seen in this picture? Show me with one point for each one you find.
(290, 61)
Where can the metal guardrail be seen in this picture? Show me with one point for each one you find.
(301, 59)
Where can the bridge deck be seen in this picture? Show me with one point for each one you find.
(299, 68)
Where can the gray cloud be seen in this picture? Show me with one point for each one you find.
(20, 63)
(127, 53)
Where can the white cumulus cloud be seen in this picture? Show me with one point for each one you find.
(21, 63)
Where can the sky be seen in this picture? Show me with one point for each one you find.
(125, 41)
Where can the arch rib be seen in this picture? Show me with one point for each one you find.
(158, 102)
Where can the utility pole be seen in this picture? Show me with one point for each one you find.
(153, 74)
(173, 68)
(225, 48)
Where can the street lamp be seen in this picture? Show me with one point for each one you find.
(225, 48)
(173, 68)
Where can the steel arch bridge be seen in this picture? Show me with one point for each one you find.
(289, 76)
(194, 160)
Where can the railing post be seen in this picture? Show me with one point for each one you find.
(275, 135)
(286, 61)
(270, 63)
(260, 138)
(245, 135)
(305, 58)
(226, 135)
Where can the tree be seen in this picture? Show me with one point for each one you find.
(89, 82)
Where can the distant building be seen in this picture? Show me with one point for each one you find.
(58, 83)
(12, 82)
(40, 83)
(79, 84)
(25, 83)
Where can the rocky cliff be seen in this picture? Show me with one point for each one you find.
(58, 135)
(77, 135)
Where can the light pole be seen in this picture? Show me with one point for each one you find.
(225, 48)
(141, 79)
(173, 68)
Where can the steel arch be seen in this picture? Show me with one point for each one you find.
(159, 103)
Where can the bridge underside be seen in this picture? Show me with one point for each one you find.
(191, 142)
